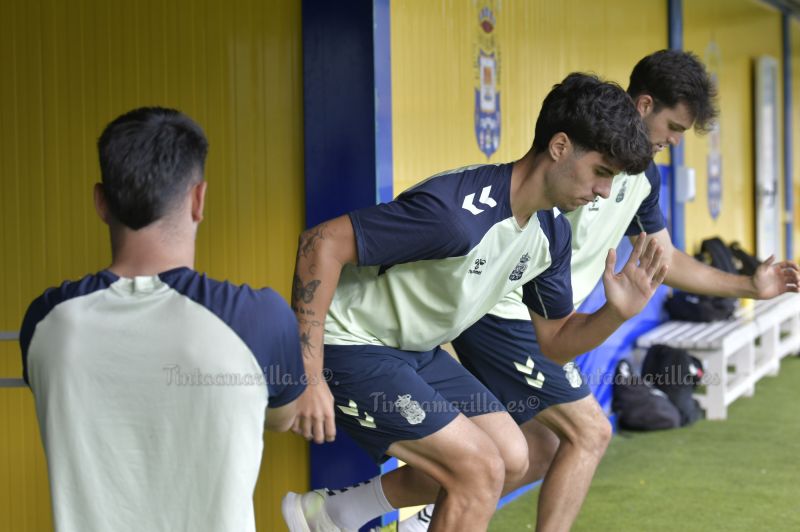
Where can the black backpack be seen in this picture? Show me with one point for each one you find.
(713, 251)
(745, 263)
(684, 306)
(676, 373)
(638, 405)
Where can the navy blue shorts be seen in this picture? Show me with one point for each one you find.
(384, 395)
(505, 356)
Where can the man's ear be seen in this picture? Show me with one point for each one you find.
(645, 104)
(198, 193)
(101, 204)
(559, 146)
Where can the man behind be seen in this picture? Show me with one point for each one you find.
(566, 431)
(151, 380)
(413, 273)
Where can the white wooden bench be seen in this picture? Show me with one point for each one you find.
(736, 353)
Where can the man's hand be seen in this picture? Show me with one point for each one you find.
(771, 280)
(315, 418)
(629, 291)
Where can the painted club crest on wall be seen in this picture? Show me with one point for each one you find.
(487, 86)
(714, 159)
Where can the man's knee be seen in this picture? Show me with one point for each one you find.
(581, 424)
(510, 442)
(601, 433)
(462, 458)
(474, 485)
(478, 478)
(594, 434)
(515, 458)
(542, 448)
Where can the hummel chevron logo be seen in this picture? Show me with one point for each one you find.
(352, 410)
(527, 370)
(469, 201)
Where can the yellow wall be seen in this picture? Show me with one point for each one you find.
(540, 42)
(67, 69)
(433, 54)
(795, 31)
(743, 30)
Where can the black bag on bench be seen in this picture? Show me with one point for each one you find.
(744, 262)
(683, 306)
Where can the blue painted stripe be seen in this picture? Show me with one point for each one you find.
(384, 175)
(517, 493)
(788, 174)
(677, 229)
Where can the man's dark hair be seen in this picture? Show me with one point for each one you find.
(597, 116)
(672, 77)
(148, 159)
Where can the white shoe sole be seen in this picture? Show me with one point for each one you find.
(292, 511)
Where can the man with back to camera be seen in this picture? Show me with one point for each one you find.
(394, 281)
(566, 431)
(151, 380)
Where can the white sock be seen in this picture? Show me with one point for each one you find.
(352, 507)
(419, 522)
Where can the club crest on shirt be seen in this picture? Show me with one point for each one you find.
(573, 375)
(621, 193)
(595, 205)
(409, 409)
(520, 268)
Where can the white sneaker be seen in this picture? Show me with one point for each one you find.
(419, 522)
(306, 512)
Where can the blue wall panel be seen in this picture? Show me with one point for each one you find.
(339, 119)
(348, 153)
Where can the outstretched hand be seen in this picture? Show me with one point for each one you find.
(628, 291)
(771, 280)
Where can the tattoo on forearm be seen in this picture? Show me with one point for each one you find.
(309, 239)
(304, 292)
(305, 344)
